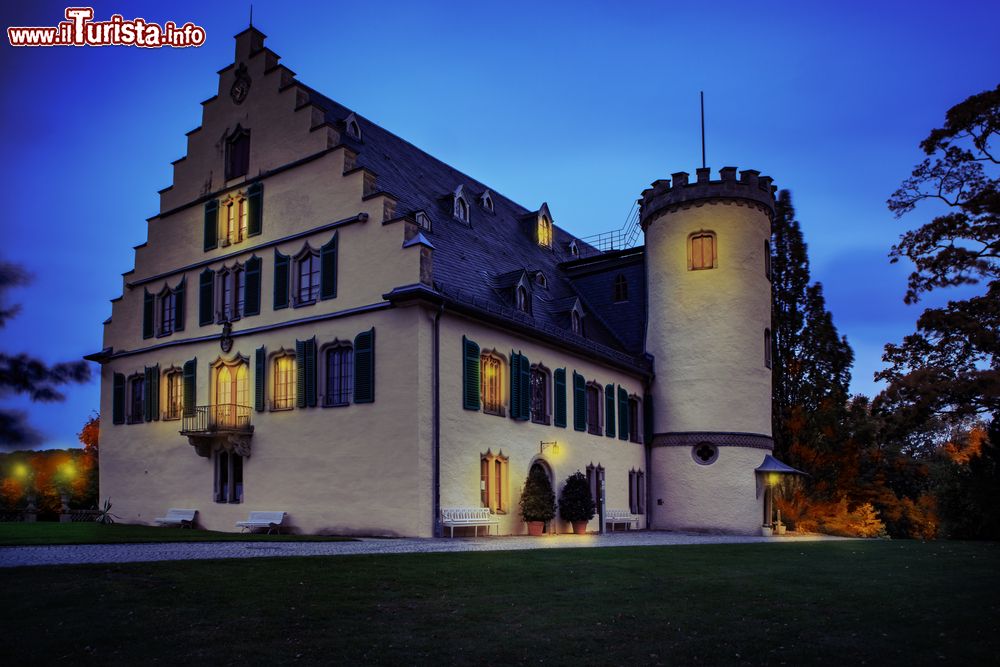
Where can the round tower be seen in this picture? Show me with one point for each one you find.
(708, 328)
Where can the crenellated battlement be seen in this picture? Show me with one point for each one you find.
(678, 190)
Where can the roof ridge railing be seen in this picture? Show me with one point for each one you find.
(618, 239)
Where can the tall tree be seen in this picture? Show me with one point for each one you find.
(948, 370)
(25, 375)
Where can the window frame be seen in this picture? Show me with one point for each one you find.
(337, 347)
(460, 209)
(699, 266)
(595, 411)
(540, 371)
(494, 495)
(173, 396)
(133, 415)
(498, 405)
(285, 379)
(621, 288)
(634, 419)
(308, 254)
(166, 301)
(230, 493)
(233, 278)
(233, 170)
(543, 232)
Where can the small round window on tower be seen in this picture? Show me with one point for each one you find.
(705, 453)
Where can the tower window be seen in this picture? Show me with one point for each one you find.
(702, 251)
(621, 288)
(705, 453)
(238, 153)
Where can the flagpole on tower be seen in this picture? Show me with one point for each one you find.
(703, 129)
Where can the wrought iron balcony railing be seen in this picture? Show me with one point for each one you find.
(222, 418)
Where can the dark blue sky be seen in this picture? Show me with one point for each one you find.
(579, 104)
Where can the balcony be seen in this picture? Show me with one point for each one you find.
(226, 425)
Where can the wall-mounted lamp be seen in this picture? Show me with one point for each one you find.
(554, 445)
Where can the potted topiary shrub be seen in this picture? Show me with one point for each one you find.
(538, 502)
(576, 505)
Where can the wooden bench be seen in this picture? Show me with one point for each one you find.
(269, 520)
(620, 516)
(177, 517)
(459, 517)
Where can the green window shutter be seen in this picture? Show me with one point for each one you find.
(559, 382)
(260, 379)
(281, 267)
(148, 303)
(206, 297)
(255, 211)
(118, 399)
(251, 304)
(609, 410)
(211, 225)
(147, 394)
(328, 269)
(470, 374)
(311, 372)
(364, 367)
(525, 392)
(154, 392)
(180, 304)
(579, 402)
(190, 386)
(300, 373)
(515, 385)
(647, 418)
(624, 414)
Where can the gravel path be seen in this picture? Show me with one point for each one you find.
(137, 553)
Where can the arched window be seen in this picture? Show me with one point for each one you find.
(767, 348)
(541, 280)
(487, 201)
(702, 251)
(577, 323)
(339, 360)
(461, 208)
(523, 299)
(283, 394)
(621, 288)
(544, 231)
(574, 249)
(492, 384)
(353, 129)
(231, 409)
(231, 290)
(493, 481)
(237, 153)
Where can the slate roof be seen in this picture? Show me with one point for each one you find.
(478, 263)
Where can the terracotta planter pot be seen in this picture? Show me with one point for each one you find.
(535, 528)
(580, 527)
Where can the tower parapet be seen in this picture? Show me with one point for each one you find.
(750, 189)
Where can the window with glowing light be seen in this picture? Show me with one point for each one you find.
(702, 251)
(234, 219)
(175, 395)
(231, 409)
(544, 231)
(493, 482)
(491, 372)
(284, 382)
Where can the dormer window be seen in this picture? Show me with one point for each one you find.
(541, 280)
(523, 299)
(544, 231)
(487, 201)
(353, 129)
(621, 288)
(577, 322)
(574, 249)
(237, 153)
(461, 206)
(423, 220)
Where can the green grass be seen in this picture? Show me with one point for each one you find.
(12, 534)
(834, 603)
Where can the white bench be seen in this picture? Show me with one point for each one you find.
(177, 517)
(458, 517)
(269, 520)
(620, 516)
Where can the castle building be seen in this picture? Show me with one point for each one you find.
(327, 321)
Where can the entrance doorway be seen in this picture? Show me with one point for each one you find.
(540, 464)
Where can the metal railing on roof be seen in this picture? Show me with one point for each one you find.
(618, 239)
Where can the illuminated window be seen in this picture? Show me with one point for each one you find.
(594, 405)
(231, 407)
(621, 288)
(284, 382)
(702, 251)
(493, 482)
(175, 396)
(339, 375)
(634, 419)
(491, 371)
(238, 153)
(539, 394)
(228, 477)
(767, 348)
(168, 312)
(136, 397)
(544, 231)
(234, 219)
(307, 277)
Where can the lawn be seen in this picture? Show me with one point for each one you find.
(45, 532)
(836, 603)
